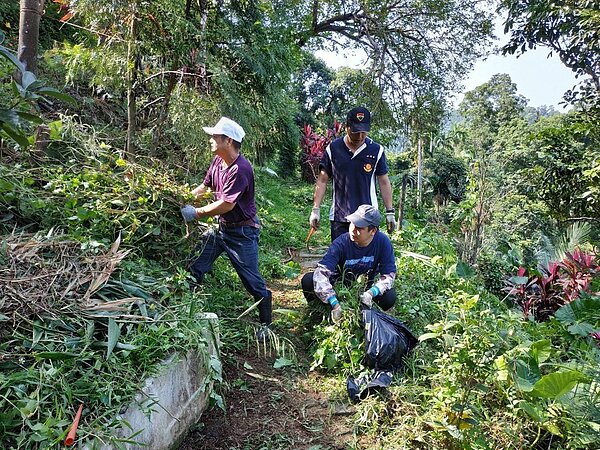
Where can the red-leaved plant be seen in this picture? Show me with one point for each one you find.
(313, 145)
(596, 337)
(540, 294)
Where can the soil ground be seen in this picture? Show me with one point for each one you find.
(268, 408)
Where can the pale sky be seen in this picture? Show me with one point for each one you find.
(542, 80)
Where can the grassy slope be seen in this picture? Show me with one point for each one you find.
(464, 387)
(455, 393)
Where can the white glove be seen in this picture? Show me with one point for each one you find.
(336, 314)
(189, 213)
(366, 298)
(315, 217)
(390, 219)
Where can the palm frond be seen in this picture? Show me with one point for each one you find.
(555, 249)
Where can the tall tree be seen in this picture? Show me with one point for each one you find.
(414, 47)
(570, 28)
(29, 33)
(485, 110)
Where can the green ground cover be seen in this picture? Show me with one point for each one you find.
(482, 376)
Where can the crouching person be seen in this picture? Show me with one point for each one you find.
(363, 250)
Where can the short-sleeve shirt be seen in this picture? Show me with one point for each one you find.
(353, 175)
(233, 184)
(346, 257)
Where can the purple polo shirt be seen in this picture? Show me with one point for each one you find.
(233, 184)
(353, 175)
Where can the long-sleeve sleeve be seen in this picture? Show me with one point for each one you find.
(385, 282)
(323, 287)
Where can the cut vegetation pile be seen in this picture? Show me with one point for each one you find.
(82, 324)
(51, 275)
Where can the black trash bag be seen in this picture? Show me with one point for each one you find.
(387, 340)
(361, 387)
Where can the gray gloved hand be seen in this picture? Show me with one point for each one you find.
(189, 213)
(336, 314)
(366, 298)
(315, 217)
(390, 219)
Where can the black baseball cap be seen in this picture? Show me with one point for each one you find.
(359, 119)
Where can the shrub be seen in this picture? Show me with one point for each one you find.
(313, 145)
(541, 294)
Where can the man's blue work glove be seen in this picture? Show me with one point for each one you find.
(336, 309)
(189, 213)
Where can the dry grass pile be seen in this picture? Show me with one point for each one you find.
(49, 275)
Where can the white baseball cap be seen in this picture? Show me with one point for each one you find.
(228, 128)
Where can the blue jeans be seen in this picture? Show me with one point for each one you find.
(241, 246)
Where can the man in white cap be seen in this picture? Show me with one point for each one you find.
(362, 250)
(231, 178)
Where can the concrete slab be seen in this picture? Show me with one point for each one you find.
(170, 404)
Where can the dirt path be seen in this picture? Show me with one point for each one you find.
(268, 408)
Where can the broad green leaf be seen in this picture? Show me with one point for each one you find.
(518, 280)
(584, 309)
(29, 117)
(16, 135)
(55, 130)
(27, 79)
(217, 399)
(532, 411)
(541, 350)
(12, 58)
(282, 362)
(330, 360)
(29, 408)
(9, 116)
(114, 331)
(51, 92)
(557, 384)
(581, 329)
(553, 428)
(526, 374)
(37, 334)
(502, 368)
(216, 365)
(464, 270)
(594, 426)
(427, 336)
(450, 324)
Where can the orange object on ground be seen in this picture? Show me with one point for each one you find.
(310, 233)
(71, 436)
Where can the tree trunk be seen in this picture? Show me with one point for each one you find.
(131, 79)
(164, 111)
(419, 171)
(29, 33)
(401, 202)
